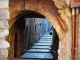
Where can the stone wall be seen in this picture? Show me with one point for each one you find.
(4, 15)
(65, 43)
(10, 39)
(35, 30)
(47, 9)
(51, 11)
(15, 38)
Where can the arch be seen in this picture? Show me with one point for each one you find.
(47, 9)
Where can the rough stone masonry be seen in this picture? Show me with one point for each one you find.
(64, 11)
(4, 15)
(64, 44)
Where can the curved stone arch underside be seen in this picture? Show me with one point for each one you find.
(49, 10)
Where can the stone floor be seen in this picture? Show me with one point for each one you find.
(40, 50)
(15, 58)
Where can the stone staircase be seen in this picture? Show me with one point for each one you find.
(40, 50)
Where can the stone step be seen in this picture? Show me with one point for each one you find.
(37, 56)
(36, 59)
(44, 41)
(40, 47)
(43, 44)
(47, 37)
(47, 34)
(39, 50)
(15, 58)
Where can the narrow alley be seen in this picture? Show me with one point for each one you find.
(32, 36)
(40, 50)
(35, 39)
(39, 29)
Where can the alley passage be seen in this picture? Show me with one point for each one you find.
(40, 50)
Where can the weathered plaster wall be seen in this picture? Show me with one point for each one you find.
(65, 43)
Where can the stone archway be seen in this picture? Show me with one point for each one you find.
(49, 10)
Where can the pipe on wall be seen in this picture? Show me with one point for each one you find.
(61, 23)
(75, 20)
(73, 34)
(76, 33)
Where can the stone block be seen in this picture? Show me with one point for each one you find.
(3, 23)
(4, 3)
(4, 14)
(3, 53)
(4, 44)
(4, 33)
(60, 3)
(3, 58)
